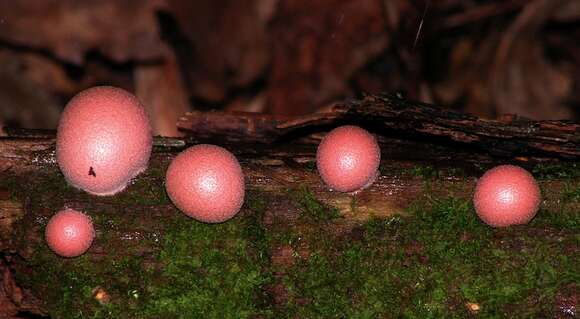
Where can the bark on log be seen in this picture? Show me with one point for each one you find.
(390, 114)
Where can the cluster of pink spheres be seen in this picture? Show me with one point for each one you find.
(104, 140)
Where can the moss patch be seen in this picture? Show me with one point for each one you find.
(311, 208)
(179, 268)
(571, 192)
(70, 286)
(568, 171)
(430, 173)
(435, 264)
(209, 271)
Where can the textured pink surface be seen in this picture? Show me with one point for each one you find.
(348, 159)
(206, 182)
(69, 233)
(103, 140)
(506, 195)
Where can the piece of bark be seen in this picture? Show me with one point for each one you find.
(390, 115)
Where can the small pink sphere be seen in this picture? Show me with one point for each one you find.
(103, 140)
(70, 233)
(206, 182)
(506, 195)
(348, 159)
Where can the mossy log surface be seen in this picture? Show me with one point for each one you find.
(296, 249)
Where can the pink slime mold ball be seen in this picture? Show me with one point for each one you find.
(206, 182)
(348, 159)
(506, 195)
(103, 140)
(69, 233)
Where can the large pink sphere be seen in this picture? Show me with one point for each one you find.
(103, 140)
(348, 158)
(69, 233)
(206, 182)
(506, 195)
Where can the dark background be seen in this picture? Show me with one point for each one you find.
(289, 56)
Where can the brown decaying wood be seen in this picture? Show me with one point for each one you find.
(287, 159)
(510, 136)
(268, 169)
(271, 171)
(278, 155)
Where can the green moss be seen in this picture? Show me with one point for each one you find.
(210, 271)
(566, 214)
(571, 192)
(569, 171)
(429, 265)
(11, 184)
(426, 265)
(431, 173)
(563, 218)
(310, 166)
(312, 208)
(197, 270)
(426, 172)
(146, 189)
(50, 185)
(201, 270)
(69, 286)
(253, 230)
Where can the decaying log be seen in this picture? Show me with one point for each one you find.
(270, 171)
(288, 160)
(278, 158)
